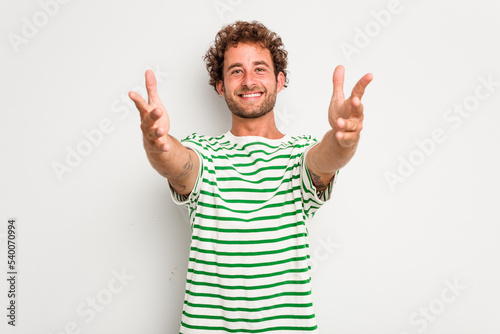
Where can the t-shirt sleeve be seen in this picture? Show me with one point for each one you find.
(192, 198)
(312, 198)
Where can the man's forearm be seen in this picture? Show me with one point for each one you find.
(179, 165)
(328, 156)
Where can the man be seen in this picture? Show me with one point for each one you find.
(251, 190)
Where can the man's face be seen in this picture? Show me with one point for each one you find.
(250, 85)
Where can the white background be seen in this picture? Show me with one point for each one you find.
(383, 254)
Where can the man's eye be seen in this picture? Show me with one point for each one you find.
(260, 69)
(236, 71)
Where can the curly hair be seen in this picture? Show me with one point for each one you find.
(244, 32)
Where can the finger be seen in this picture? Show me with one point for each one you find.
(160, 132)
(156, 145)
(349, 125)
(150, 121)
(347, 139)
(154, 137)
(155, 133)
(153, 97)
(140, 103)
(151, 129)
(338, 83)
(356, 107)
(156, 114)
(359, 88)
(150, 125)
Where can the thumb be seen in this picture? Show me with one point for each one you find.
(338, 83)
(153, 97)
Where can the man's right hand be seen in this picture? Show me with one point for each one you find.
(166, 154)
(155, 123)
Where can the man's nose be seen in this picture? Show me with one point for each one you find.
(248, 79)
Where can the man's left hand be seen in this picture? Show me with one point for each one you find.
(346, 116)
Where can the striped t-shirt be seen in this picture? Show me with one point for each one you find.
(249, 265)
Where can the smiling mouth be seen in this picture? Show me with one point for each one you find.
(252, 94)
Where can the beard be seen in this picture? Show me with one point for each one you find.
(254, 110)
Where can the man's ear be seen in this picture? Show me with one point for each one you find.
(281, 81)
(220, 87)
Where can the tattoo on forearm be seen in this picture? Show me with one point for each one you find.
(186, 168)
(318, 183)
(177, 186)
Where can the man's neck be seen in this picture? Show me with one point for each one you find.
(264, 126)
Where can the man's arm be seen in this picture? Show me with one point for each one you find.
(166, 154)
(339, 144)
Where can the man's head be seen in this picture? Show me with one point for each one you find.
(244, 32)
(247, 66)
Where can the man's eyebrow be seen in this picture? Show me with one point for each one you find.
(234, 65)
(261, 62)
(257, 62)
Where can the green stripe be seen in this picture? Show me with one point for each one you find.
(248, 154)
(233, 147)
(260, 218)
(311, 199)
(312, 207)
(240, 298)
(249, 201)
(245, 287)
(248, 265)
(264, 179)
(263, 330)
(275, 317)
(252, 230)
(276, 251)
(256, 143)
(207, 273)
(251, 173)
(262, 169)
(287, 180)
(286, 168)
(277, 157)
(247, 309)
(255, 161)
(242, 155)
(307, 189)
(248, 242)
(274, 205)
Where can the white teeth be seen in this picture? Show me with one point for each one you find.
(252, 95)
